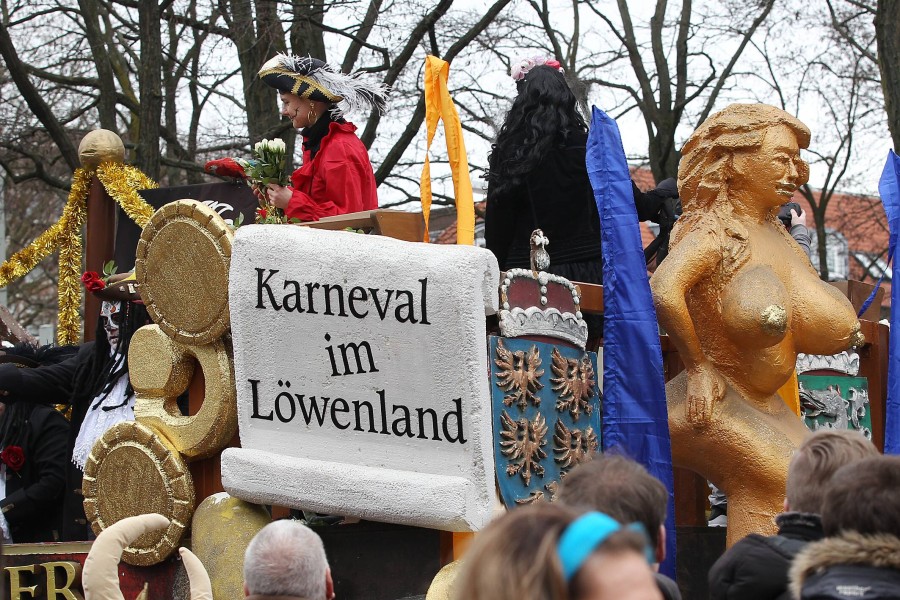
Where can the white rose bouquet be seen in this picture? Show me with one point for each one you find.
(267, 166)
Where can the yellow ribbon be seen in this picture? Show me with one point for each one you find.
(439, 105)
(121, 183)
(790, 393)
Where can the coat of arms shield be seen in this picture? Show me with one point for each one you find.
(546, 415)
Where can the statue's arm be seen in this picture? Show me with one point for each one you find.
(689, 262)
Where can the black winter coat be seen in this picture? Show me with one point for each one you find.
(851, 565)
(756, 567)
(33, 502)
(55, 384)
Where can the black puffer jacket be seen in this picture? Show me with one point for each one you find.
(851, 565)
(756, 567)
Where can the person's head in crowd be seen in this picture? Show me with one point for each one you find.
(549, 552)
(623, 489)
(542, 116)
(816, 462)
(862, 497)
(287, 558)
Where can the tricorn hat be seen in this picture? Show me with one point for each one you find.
(314, 79)
(121, 286)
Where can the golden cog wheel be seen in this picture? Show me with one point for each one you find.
(132, 470)
(181, 266)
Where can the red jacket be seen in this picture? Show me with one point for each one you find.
(339, 180)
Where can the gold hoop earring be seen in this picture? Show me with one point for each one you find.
(311, 116)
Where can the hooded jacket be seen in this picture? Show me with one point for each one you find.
(851, 565)
(756, 567)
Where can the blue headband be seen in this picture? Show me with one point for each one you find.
(584, 535)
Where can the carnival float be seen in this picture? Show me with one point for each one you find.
(334, 372)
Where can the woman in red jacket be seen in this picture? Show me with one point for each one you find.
(336, 176)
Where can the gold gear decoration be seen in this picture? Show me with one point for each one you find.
(160, 369)
(182, 271)
(133, 470)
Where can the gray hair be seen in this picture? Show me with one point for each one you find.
(286, 558)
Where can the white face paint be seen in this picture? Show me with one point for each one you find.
(111, 313)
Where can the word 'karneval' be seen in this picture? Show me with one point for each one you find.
(331, 299)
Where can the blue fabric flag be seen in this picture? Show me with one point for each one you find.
(635, 418)
(889, 189)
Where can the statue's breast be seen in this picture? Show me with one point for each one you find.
(756, 307)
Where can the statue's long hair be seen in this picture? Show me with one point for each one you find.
(542, 117)
(706, 172)
(97, 376)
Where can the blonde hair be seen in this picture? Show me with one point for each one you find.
(817, 460)
(514, 558)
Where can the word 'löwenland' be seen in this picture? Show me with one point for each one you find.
(316, 411)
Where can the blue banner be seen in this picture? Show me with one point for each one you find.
(635, 419)
(889, 189)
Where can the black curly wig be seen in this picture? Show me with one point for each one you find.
(542, 117)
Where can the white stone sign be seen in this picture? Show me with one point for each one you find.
(362, 376)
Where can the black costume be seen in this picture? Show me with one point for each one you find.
(667, 587)
(53, 384)
(558, 199)
(756, 567)
(33, 502)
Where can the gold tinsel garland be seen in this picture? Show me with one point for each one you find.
(121, 183)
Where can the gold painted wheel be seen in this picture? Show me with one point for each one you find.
(133, 470)
(181, 266)
(161, 369)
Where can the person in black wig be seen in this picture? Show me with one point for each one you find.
(33, 454)
(537, 179)
(94, 382)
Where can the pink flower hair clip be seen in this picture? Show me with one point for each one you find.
(521, 68)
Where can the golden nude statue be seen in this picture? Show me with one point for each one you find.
(740, 299)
